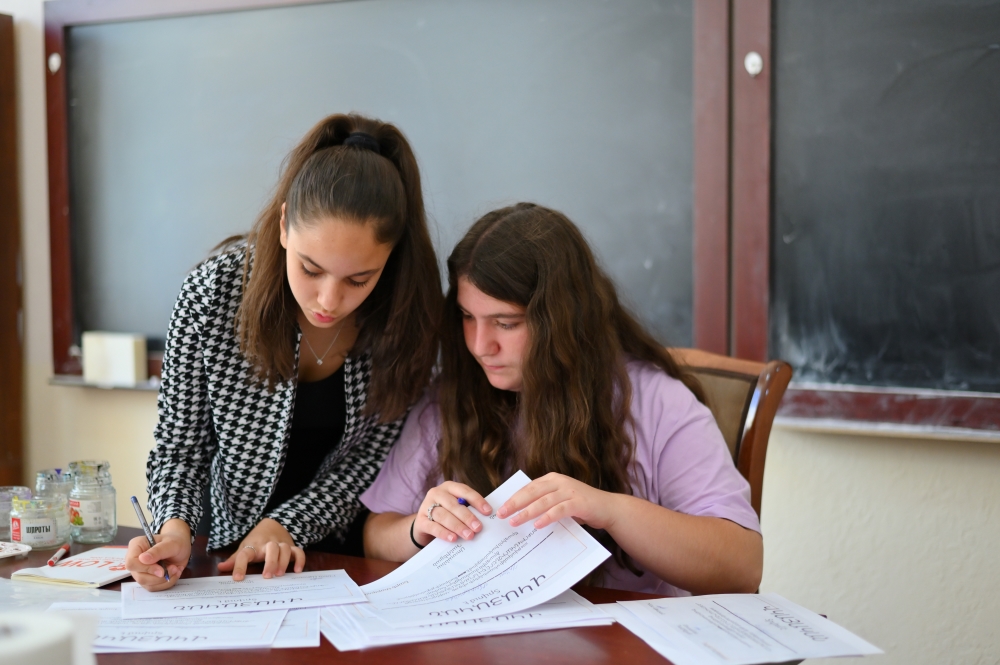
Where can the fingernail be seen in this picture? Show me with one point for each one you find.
(487, 508)
(477, 526)
(451, 538)
(467, 534)
(502, 512)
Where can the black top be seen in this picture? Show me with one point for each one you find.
(318, 419)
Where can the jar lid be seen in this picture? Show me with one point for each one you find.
(9, 492)
(55, 475)
(89, 467)
(39, 503)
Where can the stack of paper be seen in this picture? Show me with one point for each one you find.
(736, 629)
(218, 613)
(351, 627)
(506, 579)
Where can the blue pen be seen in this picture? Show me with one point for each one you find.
(462, 502)
(147, 531)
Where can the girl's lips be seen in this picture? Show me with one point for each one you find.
(323, 319)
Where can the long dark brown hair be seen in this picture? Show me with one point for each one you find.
(572, 415)
(378, 186)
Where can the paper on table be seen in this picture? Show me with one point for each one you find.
(352, 627)
(221, 595)
(224, 631)
(299, 629)
(341, 639)
(736, 629)
(502, 570)
(30, 596)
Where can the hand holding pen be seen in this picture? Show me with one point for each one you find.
(157, 561)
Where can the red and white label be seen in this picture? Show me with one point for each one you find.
(15, 529)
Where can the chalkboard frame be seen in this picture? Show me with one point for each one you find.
(732, 201)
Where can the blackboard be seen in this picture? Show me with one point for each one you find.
(177, 127)
(886, 243)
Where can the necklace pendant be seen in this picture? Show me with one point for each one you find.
(319, 362)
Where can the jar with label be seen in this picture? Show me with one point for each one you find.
(42, 523)
(53, 481)
(92, 502)
(6, 494)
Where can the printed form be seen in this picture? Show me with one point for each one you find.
(351, 627)
(221, 595)
(735, 629)
(227, 631)
(501, 571)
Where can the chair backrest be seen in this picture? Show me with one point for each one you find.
(743, 395)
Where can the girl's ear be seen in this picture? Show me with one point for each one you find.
(284, 228)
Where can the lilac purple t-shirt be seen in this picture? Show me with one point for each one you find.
(681, 463)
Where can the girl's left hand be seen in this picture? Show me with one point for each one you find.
(555, 496)
(268, 542)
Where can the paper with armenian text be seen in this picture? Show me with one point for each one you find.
(221, 595)
(735, 629)
(501, 571)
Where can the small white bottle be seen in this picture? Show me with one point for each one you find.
(92, 502)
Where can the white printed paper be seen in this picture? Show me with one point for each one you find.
(502, 570)
(351, 627)
(224, 631)
(736, 629)
(221, 595)
(299, 629)
(17, 596)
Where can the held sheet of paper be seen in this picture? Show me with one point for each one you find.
(735, 629)
(502, 570)
(221, 595)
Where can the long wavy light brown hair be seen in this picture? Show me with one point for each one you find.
(323, 178)
(572, 415)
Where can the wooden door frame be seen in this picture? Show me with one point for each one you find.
(11, 306)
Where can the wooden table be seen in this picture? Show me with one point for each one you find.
(576, 646)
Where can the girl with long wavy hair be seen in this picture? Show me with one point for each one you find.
(544, 370)
(291, 358)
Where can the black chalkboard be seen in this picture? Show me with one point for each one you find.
(178, 127)
(886, 243)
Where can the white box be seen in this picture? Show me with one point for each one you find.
(114, 359)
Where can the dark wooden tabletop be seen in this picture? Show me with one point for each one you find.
(577, 646)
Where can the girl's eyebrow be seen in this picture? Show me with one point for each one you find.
(363, 273)
(498, 315)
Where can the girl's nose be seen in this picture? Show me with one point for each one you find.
(329, 298)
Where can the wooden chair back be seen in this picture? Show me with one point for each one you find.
(743, 395)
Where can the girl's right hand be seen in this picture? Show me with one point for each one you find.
(451, 520)
(171, 553)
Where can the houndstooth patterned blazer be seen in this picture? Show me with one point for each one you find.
(217, 425)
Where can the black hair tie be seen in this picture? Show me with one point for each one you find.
(362, 140)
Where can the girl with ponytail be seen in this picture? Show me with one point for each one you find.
(292, 357)
(544, 370)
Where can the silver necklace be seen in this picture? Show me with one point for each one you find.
(319, 358)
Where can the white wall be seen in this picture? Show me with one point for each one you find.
(895, 539)
(63, 424)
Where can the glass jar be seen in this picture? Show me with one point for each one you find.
(6, 494)
(92, 502)
(42, 523)
(53, 481)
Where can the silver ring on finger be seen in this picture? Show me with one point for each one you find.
(430, 517)
(252, 548)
